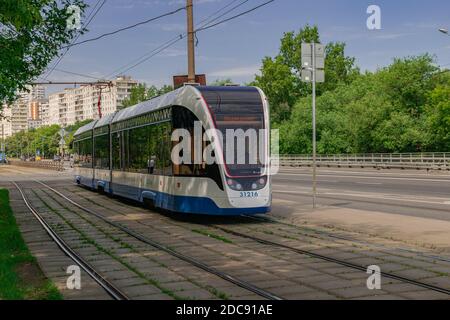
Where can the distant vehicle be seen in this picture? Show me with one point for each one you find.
(141, 168)
(3, 158)
(56, 158)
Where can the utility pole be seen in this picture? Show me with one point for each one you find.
(191, 46)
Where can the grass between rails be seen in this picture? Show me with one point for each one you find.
(20, 276)
(212, 235)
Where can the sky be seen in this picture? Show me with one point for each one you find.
(235, 49)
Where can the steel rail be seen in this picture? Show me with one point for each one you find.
(110, 288)
(345, 238)
(330, 259)
(241, 283)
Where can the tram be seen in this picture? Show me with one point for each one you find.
(131, 153)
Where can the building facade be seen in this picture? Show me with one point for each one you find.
(33, 110)
(78, 104)
(24, 113)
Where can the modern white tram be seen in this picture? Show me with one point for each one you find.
(129, 153)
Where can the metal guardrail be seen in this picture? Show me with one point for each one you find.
(43, 164)
(425, 161)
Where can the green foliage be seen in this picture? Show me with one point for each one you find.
(280, 78)
(221, 82)
(45, 139)
(404, 107)
(438, 117)
(31, 34)
(14, 257)
(141, 93)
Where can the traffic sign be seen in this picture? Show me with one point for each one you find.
(313, 60)
(307, 75)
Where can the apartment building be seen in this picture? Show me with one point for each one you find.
(24, 113)
(77, 104)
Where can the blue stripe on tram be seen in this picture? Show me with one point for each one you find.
(181, 204)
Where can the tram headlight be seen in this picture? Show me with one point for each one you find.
(234, 185)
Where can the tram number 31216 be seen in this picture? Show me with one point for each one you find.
(249, 194)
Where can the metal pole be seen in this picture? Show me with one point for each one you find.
(191, 48)
(314, 124)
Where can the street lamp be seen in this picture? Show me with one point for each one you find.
(444, 31)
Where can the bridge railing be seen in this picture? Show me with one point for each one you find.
(430, 161)
(43, 164)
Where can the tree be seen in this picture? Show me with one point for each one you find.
(372, 114)
(138, 94)
(280, 76)
(221, 82)
(438, 118)
(408, 81)
(31, 35)
(141, 93)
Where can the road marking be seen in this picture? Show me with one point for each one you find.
(364, 177)
(325, 192)
(370, 183)
(368, 172)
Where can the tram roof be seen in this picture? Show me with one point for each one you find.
(148, 106)
(85, 128)
(152, 105)
(104, 121)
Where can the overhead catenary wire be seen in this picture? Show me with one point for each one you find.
(127, 28)
(235, 17)
(89, 19)
(173, 41)
(77, 74)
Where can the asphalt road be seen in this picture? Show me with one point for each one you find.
(410, 193)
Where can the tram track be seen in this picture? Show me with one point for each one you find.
(334, 260)
(197, 263)
(346, 238)
(109, 287)
(317, 256)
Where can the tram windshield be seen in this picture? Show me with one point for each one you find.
(238, 113)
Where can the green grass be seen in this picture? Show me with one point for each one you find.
(212, 235)
(20, 276)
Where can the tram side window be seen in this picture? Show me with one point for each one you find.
(101, 149)
(166, 150)
(85, 153)
(116, 151)
(148, 145)
(76, 152)
(125, 150)
(138, 139)
(185, 119)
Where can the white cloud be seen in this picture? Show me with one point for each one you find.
(392, 36)
(236, 72)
